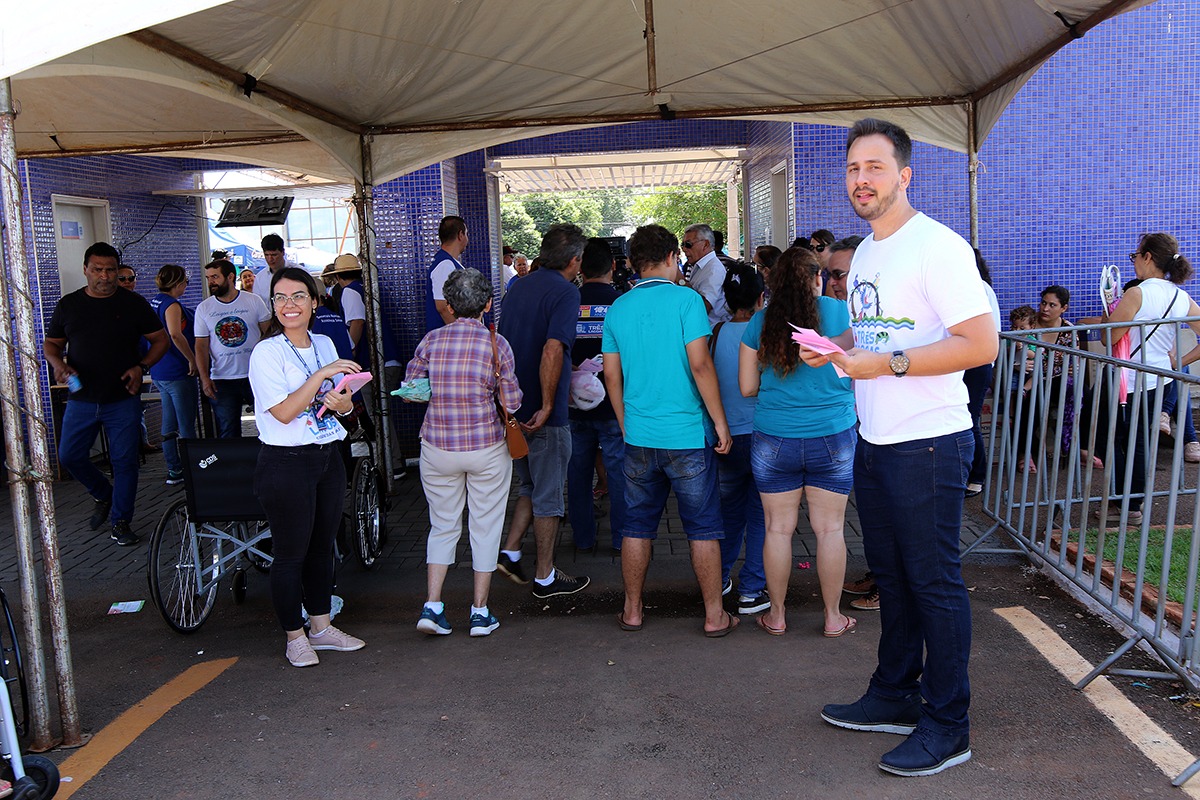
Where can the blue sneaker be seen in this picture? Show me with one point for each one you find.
(482, 626)
(926, 753)
(875, 714)
(433, 623)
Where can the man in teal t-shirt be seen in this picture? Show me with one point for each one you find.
(661, 381)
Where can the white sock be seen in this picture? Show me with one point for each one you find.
(318, 634)
(481, 611)
(546, 581)
(437, 607)
(514, 555)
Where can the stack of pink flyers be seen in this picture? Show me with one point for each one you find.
(811, 340)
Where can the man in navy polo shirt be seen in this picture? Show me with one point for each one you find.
(452, 233)
(538, 320)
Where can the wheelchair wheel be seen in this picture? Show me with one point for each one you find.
(12, 668)
(177, 558)
(368, 517)
(41, 779)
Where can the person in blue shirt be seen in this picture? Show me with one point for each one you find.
(452, 235)
(803, 433)
(175, 375)
(661, 381)
(741, 506)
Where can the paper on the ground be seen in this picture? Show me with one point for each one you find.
(811, 340)
(127, 607)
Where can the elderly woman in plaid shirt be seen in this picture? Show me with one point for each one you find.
(463, 445)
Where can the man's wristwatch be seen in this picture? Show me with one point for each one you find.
(899, 363)
(144, 367)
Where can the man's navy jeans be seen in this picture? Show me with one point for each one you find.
(122, 423)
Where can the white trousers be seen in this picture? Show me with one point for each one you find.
(484, 476)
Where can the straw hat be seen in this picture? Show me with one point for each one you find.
(344, 263)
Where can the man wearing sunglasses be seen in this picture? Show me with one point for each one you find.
(837, 265)
(820, 243)
(707, 273)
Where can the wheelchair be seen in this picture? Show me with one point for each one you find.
(32, 777)
(219, 529)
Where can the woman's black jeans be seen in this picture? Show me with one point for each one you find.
(302, 490)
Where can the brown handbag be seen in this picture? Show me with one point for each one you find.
(518, 447)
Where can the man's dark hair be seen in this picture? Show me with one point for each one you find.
(102, 249)
(802, 242)
(450, 227)
(597, 259)
(894, 133)
(272, 241)
(651, 245)
(562, 243)
(849, 243)
(227, 268)
(719, 241)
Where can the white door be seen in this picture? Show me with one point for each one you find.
(780, 208)
(79, 222)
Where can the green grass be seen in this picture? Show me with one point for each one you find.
(1155, 541)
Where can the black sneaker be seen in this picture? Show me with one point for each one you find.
(122, 535)
(727, 587)
(512, 569)
(752, 604)
(174, 478)
(875, 714)
(100, 514)
(562, 584)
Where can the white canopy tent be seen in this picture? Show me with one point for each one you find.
(365, 90)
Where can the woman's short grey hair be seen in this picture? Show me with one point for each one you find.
(467, 292)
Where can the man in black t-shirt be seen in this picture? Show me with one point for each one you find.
(92, 345)
(596, 428)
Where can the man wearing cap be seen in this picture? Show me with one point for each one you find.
(452, 233)
(347, 274)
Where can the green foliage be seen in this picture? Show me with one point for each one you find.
(677, 208)
(551, 209)
(518, 229)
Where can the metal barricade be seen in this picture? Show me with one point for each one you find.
(1064, 486)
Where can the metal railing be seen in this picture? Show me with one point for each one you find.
(1064, 485)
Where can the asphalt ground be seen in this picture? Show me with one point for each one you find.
(559, 702)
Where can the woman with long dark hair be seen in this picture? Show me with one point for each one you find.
(803, 433)
(1163, 270)
(300, 479)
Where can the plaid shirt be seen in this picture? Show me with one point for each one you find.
(458, 361)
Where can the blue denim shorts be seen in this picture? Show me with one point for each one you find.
(542, 475)
(651, 474)
(785, 465)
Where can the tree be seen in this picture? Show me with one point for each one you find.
(677, 208)
(517, 228)
(551, 209)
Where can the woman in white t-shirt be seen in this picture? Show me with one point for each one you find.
(300, 479)
(1158, 262)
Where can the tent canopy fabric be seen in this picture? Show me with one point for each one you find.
(301, 85)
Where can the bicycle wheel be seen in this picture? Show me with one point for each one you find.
(12, 668)
(368, 518)
(178, 557)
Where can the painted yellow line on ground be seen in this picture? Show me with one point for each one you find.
(120, 733)
(1155, 743)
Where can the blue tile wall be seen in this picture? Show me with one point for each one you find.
(770, 143)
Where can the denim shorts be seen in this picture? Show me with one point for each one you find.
(651, 474)
(542, 475)
(785, 465)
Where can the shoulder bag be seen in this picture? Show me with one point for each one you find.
(518, 447)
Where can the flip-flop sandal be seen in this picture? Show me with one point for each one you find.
(851, 624)
(762, 623)
(625, 626)
(728, 629)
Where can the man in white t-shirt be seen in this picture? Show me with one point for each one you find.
(920, 317)
(228, 325)
(707, 273)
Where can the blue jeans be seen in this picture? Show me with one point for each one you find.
(651, 474)
(742, 511)
(232, 394)
(179, 400)
(586, 436)
(122, 423)
(1171, 402)
(910, 499)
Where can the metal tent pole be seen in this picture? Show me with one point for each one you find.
(364, 205)
(39, 470)
(973, 170)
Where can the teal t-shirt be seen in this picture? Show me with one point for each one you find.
(649, 327)
(809, 402)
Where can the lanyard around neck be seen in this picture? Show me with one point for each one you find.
(303, 363)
